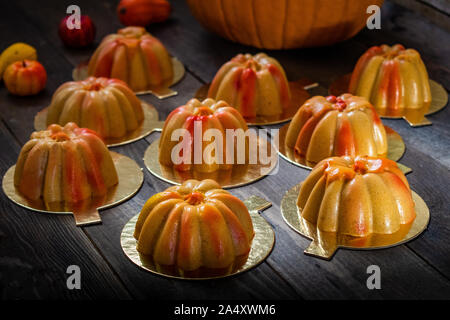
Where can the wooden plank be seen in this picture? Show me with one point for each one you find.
(287, 272)
(441, 5)
(431, 180)
(436, 11)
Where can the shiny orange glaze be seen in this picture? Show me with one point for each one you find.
(188, 140)
(59, 136)
(64, 164)
(134, 56)
(247, 87)
(193, 226)
(152, 58)
(307, 130)
(336, 126)
(194, 198)
(74, 180)
(212, 115)
(282, 85)
(93, 172)
(240, 81)
(361, 165)
(392, 79)
(357, 197)
(345, 143)
(362, 63)
(105, 105)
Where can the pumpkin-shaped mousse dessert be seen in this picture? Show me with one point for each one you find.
(134, 56)
(357, 197)
(64, 164)
(255, 85)
(202, 143)
(195, 229)
(336, 126)
(107, 106)
(392, 79)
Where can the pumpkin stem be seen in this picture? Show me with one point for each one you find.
(194, 198)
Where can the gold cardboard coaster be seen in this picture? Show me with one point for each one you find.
(300, 92)
(325, 244)
(163, 91)
(148, 125)
(415, 118)
(238, 176)
(131, 178)
(262, 243)
(396, 149)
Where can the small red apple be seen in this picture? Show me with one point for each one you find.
(77, 38)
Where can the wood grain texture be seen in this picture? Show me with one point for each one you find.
(436, 11)
(420, 269)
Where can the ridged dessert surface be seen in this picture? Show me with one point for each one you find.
(64, 164)
(336, 126)
(134, 56)
(357, 197)
(193, 226)
(392, 78)
(107, 106)
(196, 118)
(255, 85)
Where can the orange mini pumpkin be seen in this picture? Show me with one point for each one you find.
(143, 12)
(25, 78)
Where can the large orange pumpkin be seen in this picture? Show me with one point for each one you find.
(283, 24)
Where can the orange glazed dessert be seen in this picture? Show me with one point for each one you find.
(392, 79)
(107, 106)
(255, 85)
(195, 228)
(134, 56)
(357, 197)
(67, 164)
(336, 126)
(208, 114)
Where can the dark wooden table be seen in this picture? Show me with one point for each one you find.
(36, 249)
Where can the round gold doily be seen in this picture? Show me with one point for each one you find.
(325, 244)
